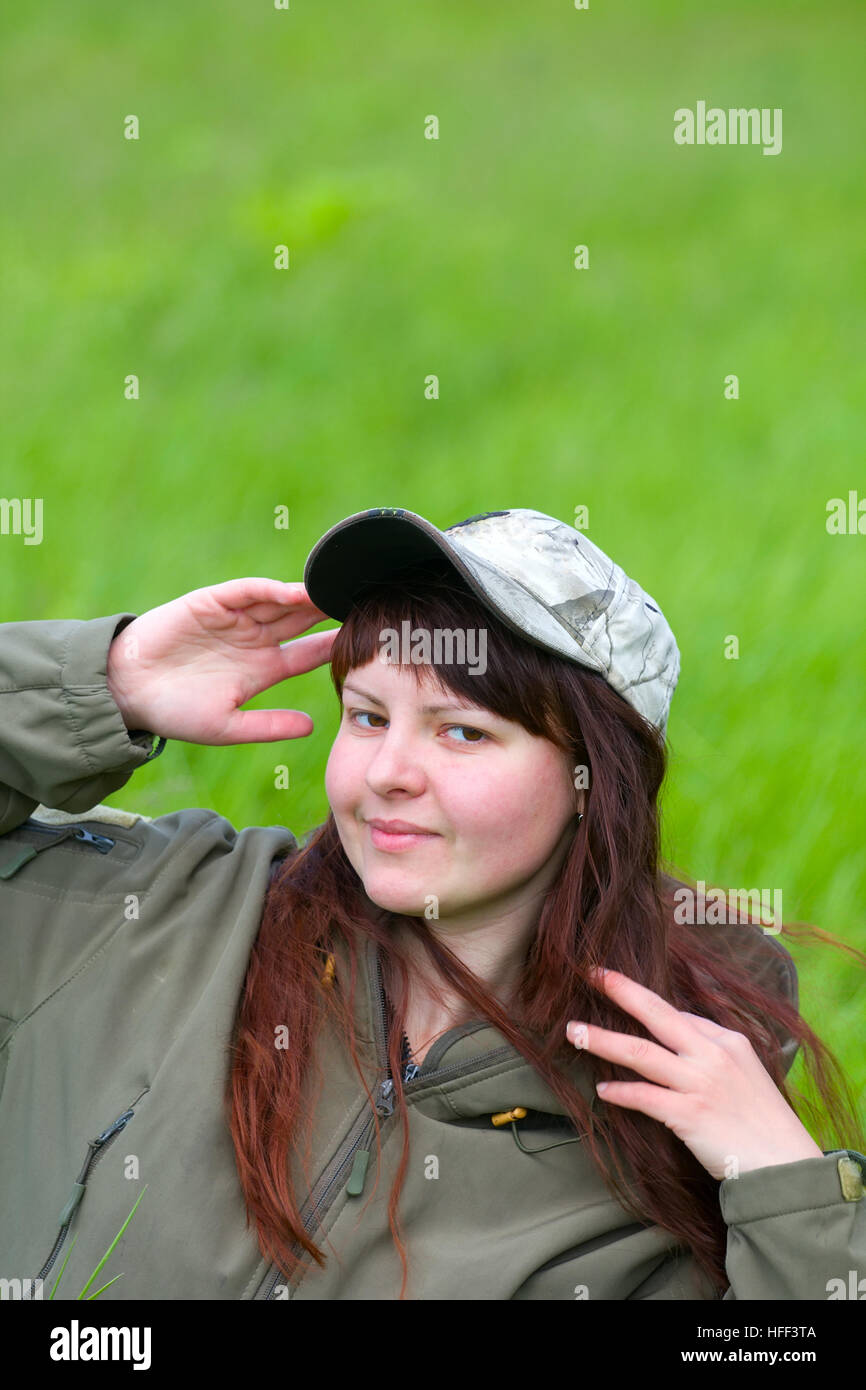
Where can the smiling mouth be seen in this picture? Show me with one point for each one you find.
(398, 839)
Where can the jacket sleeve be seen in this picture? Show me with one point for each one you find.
(797, 1230)
(794, 1230)
(63, 742)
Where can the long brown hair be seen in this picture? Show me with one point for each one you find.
(613, 904)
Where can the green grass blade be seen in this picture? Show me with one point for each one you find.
(62, 1267)
(105, 1286)
(112, 1245)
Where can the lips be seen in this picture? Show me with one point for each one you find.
(400, 827)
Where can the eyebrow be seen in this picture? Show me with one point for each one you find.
(425, 709)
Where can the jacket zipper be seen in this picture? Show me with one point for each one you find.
(328, 1186)
(97, 1148)
(58, 833)
(100, 842)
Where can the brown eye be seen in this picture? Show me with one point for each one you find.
(369, 715)
(468, 728)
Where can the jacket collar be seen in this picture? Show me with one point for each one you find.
(489, 1073)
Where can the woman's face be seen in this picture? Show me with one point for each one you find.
(497, 803)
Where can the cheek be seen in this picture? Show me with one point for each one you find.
(341, 776)
(517, 812)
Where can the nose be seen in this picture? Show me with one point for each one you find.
(397, 764)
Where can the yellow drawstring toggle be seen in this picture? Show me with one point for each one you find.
(506, 1116)
(328, 977)
(509, 1117)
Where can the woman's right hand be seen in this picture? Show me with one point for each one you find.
(182, 670)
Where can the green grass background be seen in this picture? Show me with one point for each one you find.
(558, 387)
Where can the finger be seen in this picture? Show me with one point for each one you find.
(267, 666)
(265, 599)
(282, 626)
(638, 1054)
(301, 609)
(267, 726)
(668, 1107)
(658, 1016)
(707, 1026)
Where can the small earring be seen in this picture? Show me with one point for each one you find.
(579, 817)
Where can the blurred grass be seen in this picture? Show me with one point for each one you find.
(558, 388)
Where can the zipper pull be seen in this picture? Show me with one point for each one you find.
(79, 1187)
(78, 1190)
(385, 1103)
(22, 854)
(101, 842)
(120, 1123)
(355, 1185)
(22, 857)
(384, 1107)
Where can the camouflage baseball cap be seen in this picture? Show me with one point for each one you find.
(544, 579)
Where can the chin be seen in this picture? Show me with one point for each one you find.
(403, 904)
(404, 900)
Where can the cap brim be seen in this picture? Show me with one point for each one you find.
(367, 548)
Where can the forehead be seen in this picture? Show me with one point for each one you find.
(416, 685)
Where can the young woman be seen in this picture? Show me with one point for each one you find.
(370, 1066)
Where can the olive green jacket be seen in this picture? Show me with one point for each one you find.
(124, 942)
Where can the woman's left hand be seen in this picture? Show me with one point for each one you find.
(715, 1094)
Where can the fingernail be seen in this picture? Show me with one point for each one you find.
(577, 1034)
